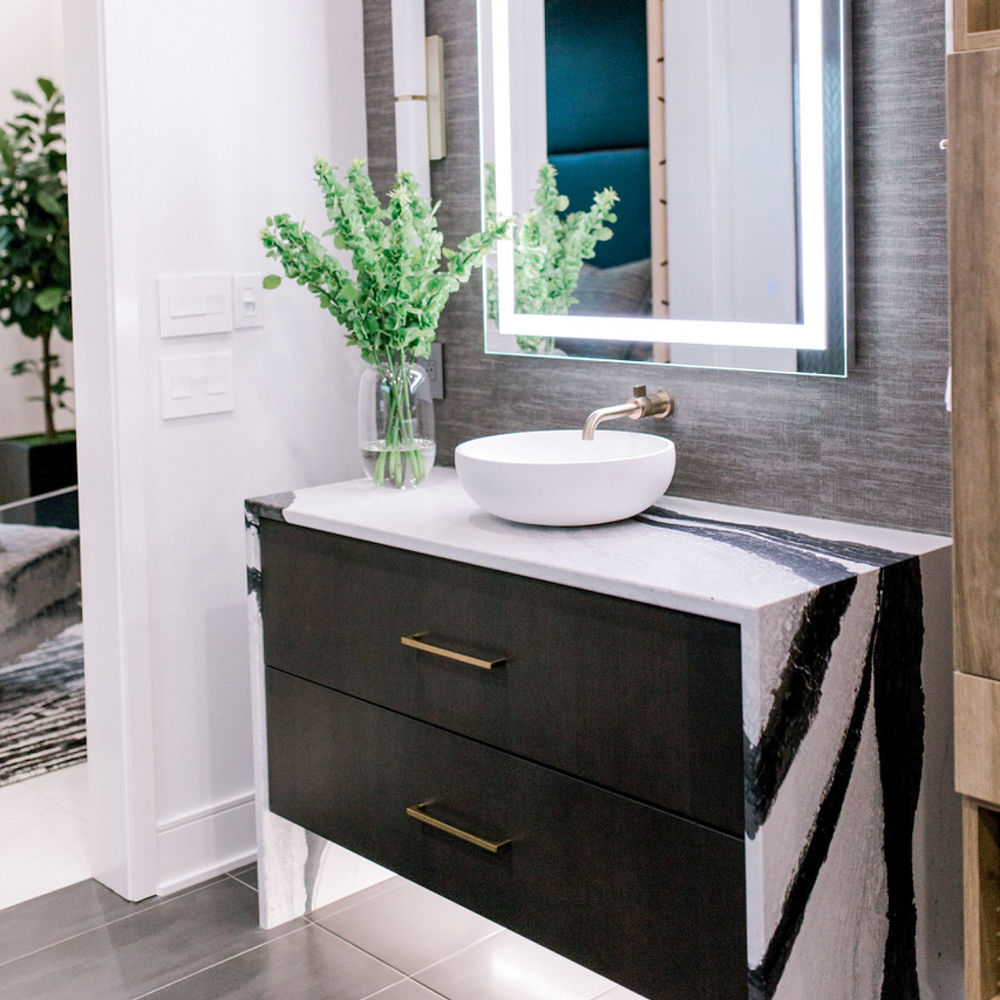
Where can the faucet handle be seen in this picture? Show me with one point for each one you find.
(659, 403)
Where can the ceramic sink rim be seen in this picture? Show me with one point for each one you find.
(556, 479)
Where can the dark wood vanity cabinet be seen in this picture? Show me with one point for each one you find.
(598, 768)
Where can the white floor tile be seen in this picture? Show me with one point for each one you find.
(66, 787)
(507, 965)
(43, 846)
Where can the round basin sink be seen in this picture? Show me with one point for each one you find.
(557, 478)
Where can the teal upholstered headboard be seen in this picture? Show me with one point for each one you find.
(597, 113)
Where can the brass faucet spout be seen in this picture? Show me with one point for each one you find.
(607, 413)
(659, 403)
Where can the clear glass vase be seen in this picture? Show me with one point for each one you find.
(396, 422)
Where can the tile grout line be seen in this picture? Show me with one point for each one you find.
(448, 958)
(59, 805)
(221, 961)
(356, 947)
(504, 930)
(409, 979)
(395, 887)
(116, 920)
(240, 881)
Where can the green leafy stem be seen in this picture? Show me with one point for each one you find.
(550, 246)
(394, 298)
(400, 456)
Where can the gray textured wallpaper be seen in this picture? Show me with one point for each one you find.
(874, 448)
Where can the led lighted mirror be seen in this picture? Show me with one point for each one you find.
(716, 133)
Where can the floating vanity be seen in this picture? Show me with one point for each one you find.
(705, 751)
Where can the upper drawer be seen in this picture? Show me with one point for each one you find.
(634, 697)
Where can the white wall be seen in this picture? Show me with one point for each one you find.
(209, 131)
(30, 47)
(730, 172)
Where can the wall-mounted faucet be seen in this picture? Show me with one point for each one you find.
(659, 403)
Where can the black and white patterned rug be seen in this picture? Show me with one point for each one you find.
(42, 709)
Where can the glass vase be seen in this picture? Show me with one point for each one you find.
(396, 422)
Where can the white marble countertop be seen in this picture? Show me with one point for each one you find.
(703, 558)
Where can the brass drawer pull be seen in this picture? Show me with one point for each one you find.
(493, 846)
(413, 641)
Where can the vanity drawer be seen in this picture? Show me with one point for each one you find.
(634, 697)
(648, 899)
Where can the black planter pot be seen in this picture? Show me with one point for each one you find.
(29, 468)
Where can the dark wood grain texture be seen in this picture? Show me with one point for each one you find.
(650, 900)
(974, 183)
(634, 697)
(873, 448)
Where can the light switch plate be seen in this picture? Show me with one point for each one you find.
(248, 306)
(194, 385)
(194, 305)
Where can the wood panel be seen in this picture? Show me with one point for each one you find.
(657, 166)
(635, 697)
(654, 902)
(977, 737)
(981, 842)
(976, 24)
(974, 231)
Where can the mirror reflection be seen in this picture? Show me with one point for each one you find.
(653, 155)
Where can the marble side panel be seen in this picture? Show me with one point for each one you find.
(298, 871)
(853, 846)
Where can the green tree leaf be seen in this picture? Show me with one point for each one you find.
(50, 203)
(50, 299)
(34, 236)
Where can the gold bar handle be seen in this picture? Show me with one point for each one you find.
(493, 846)
(414, 642)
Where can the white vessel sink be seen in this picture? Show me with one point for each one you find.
(557, 478)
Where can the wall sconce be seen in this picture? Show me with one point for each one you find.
(418, 83)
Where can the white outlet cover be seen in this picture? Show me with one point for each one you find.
(195, 385)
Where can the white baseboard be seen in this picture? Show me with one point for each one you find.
(205, 843)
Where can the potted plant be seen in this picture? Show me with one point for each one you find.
(402, 278)
(35, 282)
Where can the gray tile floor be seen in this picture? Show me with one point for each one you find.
(394, 941)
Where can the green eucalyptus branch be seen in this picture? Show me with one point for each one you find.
(402, 274)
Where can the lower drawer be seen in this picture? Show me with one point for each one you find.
(650, 900)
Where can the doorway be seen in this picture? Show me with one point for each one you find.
(43, 786)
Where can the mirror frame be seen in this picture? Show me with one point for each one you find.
(826, 326)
